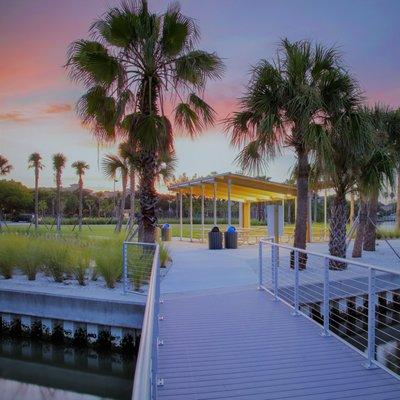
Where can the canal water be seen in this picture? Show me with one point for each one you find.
(34, 370)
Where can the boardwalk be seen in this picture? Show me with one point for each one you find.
(237, 343)
(241, 344)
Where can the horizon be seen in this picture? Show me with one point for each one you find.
(37, 99)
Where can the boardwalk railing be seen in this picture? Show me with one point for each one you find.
(356, 302)
(145, 380)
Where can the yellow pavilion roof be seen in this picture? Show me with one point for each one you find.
(243, 188)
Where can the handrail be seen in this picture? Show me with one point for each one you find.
(333, 258)
(144, 385)
(284, 285)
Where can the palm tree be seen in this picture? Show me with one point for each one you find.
(131, 155)
(5, 166)
(284, 106)
(377, 169)
(394, 145)
(380, 120)
(80, 168)
(135, 57)
(35, 161)
(112, 164)
(349, 139)
(59, 161)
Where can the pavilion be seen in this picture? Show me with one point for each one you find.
(235, 187)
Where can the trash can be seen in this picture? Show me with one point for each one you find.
(231, 238)
(166, 233)
(215, 239)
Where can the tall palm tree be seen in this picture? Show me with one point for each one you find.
(80, 168)
(284, 106)
(376, 171)
(128, 151)
(135, 57)
(5, 166)
(35, 162)
(59, 162)
(112, 165)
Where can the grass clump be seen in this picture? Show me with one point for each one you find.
(9, 254)
(57, 260)
(108, 258)
(165, 256)
(81, 263)
(31, 257)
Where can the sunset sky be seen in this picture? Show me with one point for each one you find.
(37, 99)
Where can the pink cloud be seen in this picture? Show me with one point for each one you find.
(58, 108)
(13, 116)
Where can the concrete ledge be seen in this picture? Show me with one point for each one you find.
(108, 312)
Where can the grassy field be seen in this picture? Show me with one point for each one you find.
(108, 230)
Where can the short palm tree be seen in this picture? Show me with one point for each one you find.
(112, 165)
(80, 169)
(5, 166)
(376, 171)
(380, 118)
(284, 105)
(394, 146)
(35, 162)
(59, 162)
(349, 139)
(135, 58)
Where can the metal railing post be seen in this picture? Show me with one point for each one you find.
(371, 320)
(260, 255)
(296, 283)
(325, 331)
(275, 261)
(125, 266)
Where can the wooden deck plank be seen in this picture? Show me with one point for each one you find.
(242, 345)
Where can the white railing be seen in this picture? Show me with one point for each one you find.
(356, 302)
(145, 379)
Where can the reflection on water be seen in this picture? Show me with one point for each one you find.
(34, 370)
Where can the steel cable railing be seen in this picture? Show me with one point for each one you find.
(359, 303)
(145, 381)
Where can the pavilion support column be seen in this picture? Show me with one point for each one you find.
(240, 215)
(283, 211)
(325, 213)
(309, 219)
(181, 214)
(191, 213)
(229, 203)
(246, 214)
(202, 213)
(215, 203)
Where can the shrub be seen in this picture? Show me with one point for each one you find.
(31, 257)
(80, 264)
(165, 257)
(108, 259)
(9, 254)
(57, 259)
(140, 261)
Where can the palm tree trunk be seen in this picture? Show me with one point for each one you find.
(370, 230)
(337, 235)
(36, 197)
(58, 179)
(300, 231)
(147, 197)
(132, 186)
(120, 219)
(398, 199)
(362, 221)
(80, 203)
